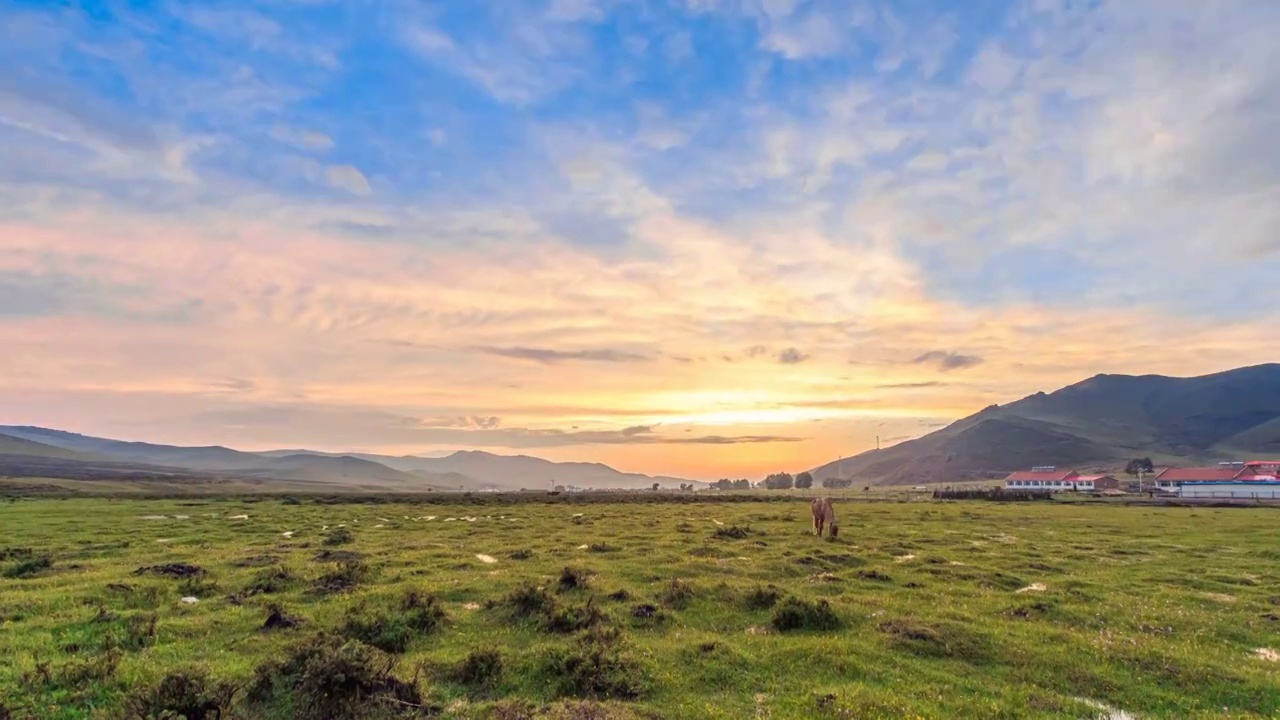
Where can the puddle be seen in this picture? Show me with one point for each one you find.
(288, 534)
(238, 517)
(904, 558)
(1033, 587)
(1107, 712)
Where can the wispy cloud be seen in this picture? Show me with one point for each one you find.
(946, 360)
(250, 228)
(547, 355)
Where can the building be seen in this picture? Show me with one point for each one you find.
(1054, 480)
(1095, 482)
(1253, 480)
(1172, 478)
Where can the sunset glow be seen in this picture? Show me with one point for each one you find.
(698, 239)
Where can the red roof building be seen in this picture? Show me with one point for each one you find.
(1173, 477)
(1061, 480)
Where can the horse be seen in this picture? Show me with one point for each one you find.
(824, 515)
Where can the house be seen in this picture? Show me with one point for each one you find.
(1254, 480)
(1172, 478)
(1041, 478)
(1055, 480)
(1096, 482)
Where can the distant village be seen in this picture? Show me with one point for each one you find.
(1252, 479)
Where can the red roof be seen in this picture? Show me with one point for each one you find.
(1055, 475)
(1200, 473)
(1089, 478)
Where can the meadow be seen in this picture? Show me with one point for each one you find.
(296, 608)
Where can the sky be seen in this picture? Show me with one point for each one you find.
(702, 238)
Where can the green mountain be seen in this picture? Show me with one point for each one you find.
(1100, 422)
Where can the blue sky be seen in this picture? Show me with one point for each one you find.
(305, 204)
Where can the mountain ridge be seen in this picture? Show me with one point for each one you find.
(1100, 422)
(460, 470)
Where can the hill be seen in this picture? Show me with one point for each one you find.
(1099, 422)
(12, 445)
(467, 470)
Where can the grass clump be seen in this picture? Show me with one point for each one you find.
(572, 618)
(731, 532)
(341, 536)
(521, 554)
(344, 578)
(188, 694)
(572, 578)
(418, 614)
(947, 641)
(602, 548)
(676, 594)
(596, 666)
(479, 669)
(762, 598)
(29, 568)
(796, 614)
(329, 678)
(267, 581)
(527, 601)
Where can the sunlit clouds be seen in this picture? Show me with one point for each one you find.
(756, 249)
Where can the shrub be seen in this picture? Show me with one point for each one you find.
(528, 601)
(481, 668)
(602, 548)
(573, 618)
(327, 678)
(676, 594)
(139, 632)
(596, 667)
(572, 578)
(418, 615)
(341, 579)
(796, 614)
(341, 536)
(763, 598)
(29, 568)
(731, 532)
(185, 694)
(522, 554)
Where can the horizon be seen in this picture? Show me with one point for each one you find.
(696, 238)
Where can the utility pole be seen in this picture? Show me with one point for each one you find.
(877, 442)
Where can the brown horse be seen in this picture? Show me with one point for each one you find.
(824, 515)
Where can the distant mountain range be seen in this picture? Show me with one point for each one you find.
(1100, 422)
(28, 451)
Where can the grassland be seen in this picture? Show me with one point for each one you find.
(670, 610)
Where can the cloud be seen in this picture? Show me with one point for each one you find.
(307, 139)
(947, 361)
(792, 356)
(549, 356)
(911, 385)
(346, 177)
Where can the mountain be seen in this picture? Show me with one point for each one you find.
(466, 470)
(511, 472)
(12, 445)
(1100, 422)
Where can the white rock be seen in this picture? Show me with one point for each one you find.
(190, 600)
(487, 559)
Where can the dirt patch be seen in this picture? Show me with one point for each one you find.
(1220, 597)
(177, 570)
(471, 606)
(1033, 587)
(1267, 654)
(904, 558)
(873, 576)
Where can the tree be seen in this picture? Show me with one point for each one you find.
(779, 481)
(1137, 465)
(836, 483)
(742, 484)
(655, 487)
(804, 481)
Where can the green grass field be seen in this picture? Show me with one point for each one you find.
(670, 610)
